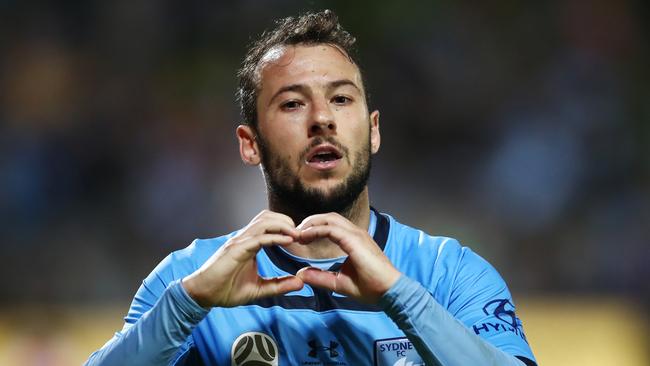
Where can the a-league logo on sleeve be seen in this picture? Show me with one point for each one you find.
(254, 348)
(396, 352)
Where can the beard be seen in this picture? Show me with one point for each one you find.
(287, 193)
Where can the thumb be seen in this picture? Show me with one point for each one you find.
(318, 277)
(278, 286)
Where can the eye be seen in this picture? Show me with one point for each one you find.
(290, 105)
(341, 100)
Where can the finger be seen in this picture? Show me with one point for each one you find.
(279, 216)
(272, 225)
(318, 277)
(278, 285)
(335, 233)
(335, 282)
(331, 218)
(268, 214)
(253, 244)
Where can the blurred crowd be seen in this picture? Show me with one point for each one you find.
(521, 128)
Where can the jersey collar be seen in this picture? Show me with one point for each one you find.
(290, 265)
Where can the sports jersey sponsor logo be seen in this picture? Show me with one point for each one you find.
(396, 352)
(254, 349)
(503, 310)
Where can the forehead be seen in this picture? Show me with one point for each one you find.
(311, 65)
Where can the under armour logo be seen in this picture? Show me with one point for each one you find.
(315, 347)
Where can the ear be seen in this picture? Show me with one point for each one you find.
(375, 137)
(248, 149)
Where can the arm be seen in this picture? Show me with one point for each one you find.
(159, 325)
(159, 337)
(439, 338)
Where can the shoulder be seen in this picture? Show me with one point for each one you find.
(440, 263)
(183, 262)
(175, 266)
(413, 245)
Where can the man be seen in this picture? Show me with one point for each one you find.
(320, 278)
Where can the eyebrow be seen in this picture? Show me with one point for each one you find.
(304, 89)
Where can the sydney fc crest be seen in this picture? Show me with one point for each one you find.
(396, 352)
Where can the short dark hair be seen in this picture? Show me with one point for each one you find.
(309, 28)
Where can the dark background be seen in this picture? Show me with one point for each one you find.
(520, 128)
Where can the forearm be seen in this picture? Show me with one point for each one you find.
(439, 338)
(157, 336)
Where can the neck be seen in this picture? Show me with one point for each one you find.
(358, 213)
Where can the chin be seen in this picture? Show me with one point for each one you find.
(325, 187)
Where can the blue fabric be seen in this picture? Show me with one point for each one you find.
(438, 342)
(327, 263)
(451, 305)
(159, 336)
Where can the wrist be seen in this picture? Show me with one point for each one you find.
(392, 278)
(389, 280)
(190, 285)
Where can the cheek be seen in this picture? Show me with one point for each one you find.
(351, 120)
(283, 151)
(361, 133)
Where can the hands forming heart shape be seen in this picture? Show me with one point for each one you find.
(230, 278)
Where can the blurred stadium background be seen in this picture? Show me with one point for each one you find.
(521, 128)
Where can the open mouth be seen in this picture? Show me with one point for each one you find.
(323, 157)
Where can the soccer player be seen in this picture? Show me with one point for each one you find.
(320, 278)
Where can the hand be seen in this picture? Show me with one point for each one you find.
(230, 277)
(367, 273)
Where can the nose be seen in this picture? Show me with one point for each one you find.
(322, 120)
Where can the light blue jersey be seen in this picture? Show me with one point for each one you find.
(450, 307)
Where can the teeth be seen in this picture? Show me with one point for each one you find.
(326, 156)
